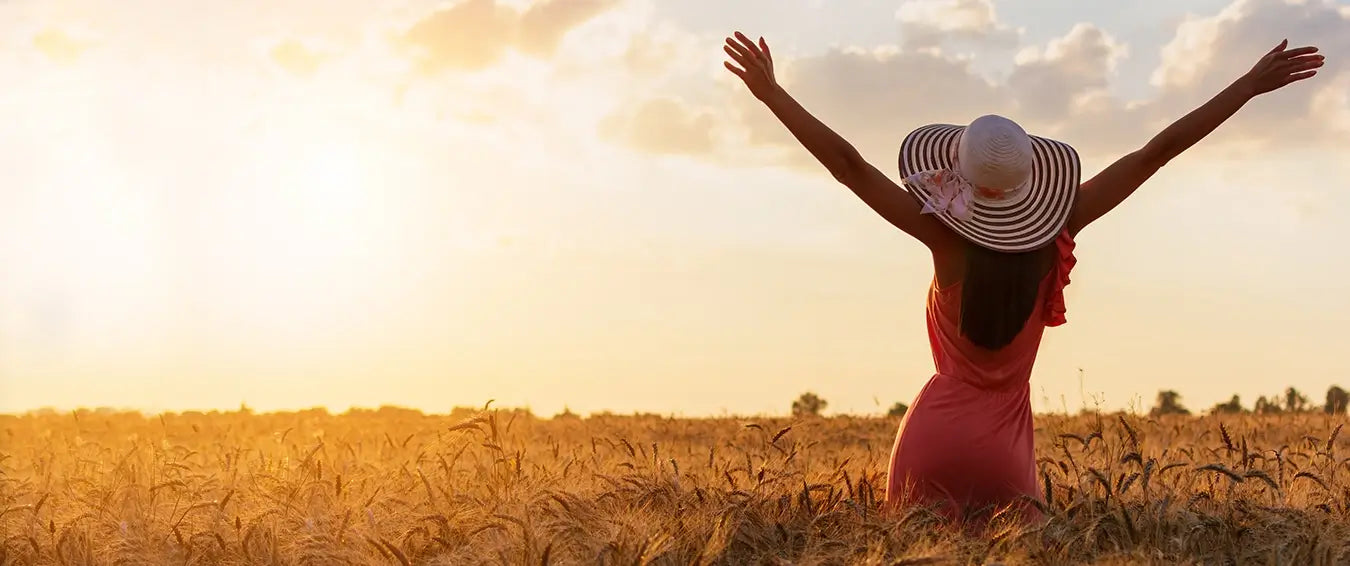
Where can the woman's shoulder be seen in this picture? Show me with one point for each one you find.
(949, 260)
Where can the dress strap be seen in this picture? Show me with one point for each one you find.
(1064, 262)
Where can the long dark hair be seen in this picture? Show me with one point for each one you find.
(998, 293)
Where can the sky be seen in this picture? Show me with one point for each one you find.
(571, 204)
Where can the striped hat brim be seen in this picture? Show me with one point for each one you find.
(1027, 221)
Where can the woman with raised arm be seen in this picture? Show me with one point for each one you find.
(998, 209)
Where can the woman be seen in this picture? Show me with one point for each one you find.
(999, 210)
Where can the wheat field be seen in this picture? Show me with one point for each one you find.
(394, 486)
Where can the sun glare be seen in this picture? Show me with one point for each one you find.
(328, 178)
(315, 180)
(303, 225)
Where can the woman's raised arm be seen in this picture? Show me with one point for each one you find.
(1106, 190)
(753, 63)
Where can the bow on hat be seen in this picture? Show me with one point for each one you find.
(948, 192)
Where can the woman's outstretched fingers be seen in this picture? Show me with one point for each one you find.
(1291, 53)
(749, 45)
(750, 59)
(1298, 64)
(737, 47)
(1305, 63)
(1298, 77)
(737, 56)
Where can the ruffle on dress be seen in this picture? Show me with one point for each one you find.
(1054, 307)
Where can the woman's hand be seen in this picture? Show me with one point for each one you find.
(755, 64)
(1281, 67)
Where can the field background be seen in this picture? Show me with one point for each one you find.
(393, 486)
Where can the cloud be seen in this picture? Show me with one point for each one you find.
(1061, 88)
(873, 97)
(661, 125)
(928, 23)
(543, 25)
(663, 50)
(59, 47)
(475, 34)
(1047, 81)
(1331, 103)
(1208, 53)
(294, 57)
(1186, 56)
(869, 97)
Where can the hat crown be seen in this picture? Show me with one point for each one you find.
(995, 154)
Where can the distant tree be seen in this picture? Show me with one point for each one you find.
(808, 405)
(1337, 401)
(1267, 406)
(1233, 406)
(1295, 401)
(1168, 403)
(898, 410)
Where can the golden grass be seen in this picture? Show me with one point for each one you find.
(502, 487)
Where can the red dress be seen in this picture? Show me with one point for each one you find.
(966, 442)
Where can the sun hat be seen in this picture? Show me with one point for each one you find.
(991, 182)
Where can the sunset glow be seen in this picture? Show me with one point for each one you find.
(563, 203)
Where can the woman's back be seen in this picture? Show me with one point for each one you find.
(967, 441)
(1009, 363)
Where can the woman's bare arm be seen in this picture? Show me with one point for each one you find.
(839, 157)
(848, 167)
(1117, 182)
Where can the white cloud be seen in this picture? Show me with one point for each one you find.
(661, 125)
(60, 47)
(640, 77)
(1086, 49)
(1050, 82)
(543, 24)
(927, 23)
(1209, 53)
(874, 95)
(949, 15)
(1191, 49)
(475, 34)
(1331, 103)
(297, 58)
